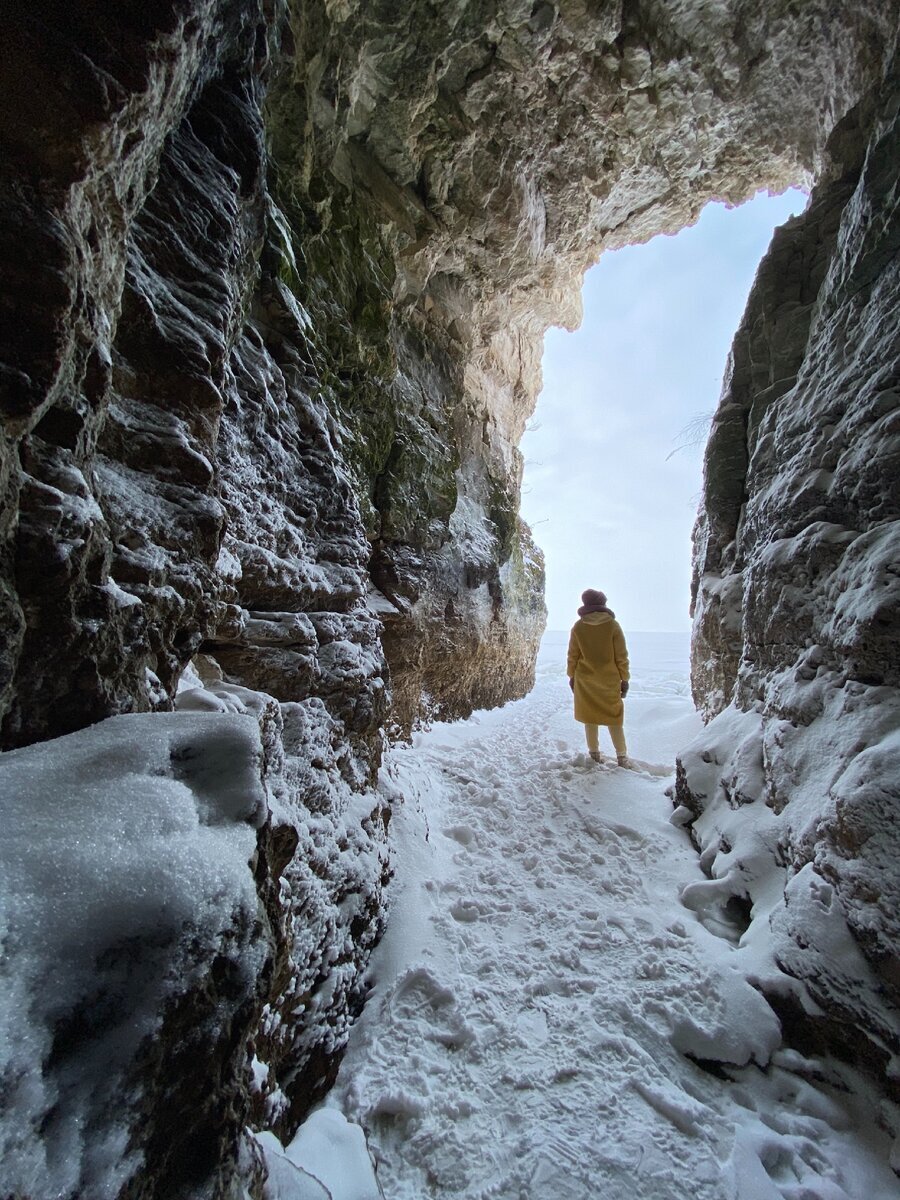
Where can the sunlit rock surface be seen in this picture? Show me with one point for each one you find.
(274, 279)
(797, 611)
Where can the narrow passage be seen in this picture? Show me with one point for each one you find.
(548, 1021)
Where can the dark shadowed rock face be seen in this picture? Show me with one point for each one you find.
(274, 279)
(176, 482)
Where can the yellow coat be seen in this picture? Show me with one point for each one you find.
(598, 662)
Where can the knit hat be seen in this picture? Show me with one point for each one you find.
(594, 601)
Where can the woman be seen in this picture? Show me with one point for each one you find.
(598, 674)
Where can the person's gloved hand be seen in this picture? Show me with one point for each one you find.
(623, 688)
(572, 684)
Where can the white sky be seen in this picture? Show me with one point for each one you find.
(608, 506)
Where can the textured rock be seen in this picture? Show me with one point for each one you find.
(498, 148)
(375, 271)
(274, 279)
(170, 909)
(180, 483)
(798, 601)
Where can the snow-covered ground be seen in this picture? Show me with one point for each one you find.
(548, 1021)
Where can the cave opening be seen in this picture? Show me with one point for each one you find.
(614, 452)
(277, 277)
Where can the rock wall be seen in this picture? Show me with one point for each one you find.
(274, 278)
(797, 605)
(500, 147)
(177, 508)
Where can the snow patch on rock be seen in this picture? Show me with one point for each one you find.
(125, 875)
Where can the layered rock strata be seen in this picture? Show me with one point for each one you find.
(274, 279)
(174, 482)
(797, 605)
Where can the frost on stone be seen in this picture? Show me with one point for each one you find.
(325, 856)
(127, 881)
(794, 784)
(473, 532)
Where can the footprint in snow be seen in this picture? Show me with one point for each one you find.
(652, 770)
(426, 1008)
(611, 831)
(419, 990)
(460, 833)
(465, 911)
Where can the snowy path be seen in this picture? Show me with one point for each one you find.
(540, 986)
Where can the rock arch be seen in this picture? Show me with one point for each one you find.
(275, 279)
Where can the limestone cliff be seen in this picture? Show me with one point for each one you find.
(274, 279)
(797, 602)
(173, 482)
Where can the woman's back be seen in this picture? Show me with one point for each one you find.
(597, 666)
(596, 635)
